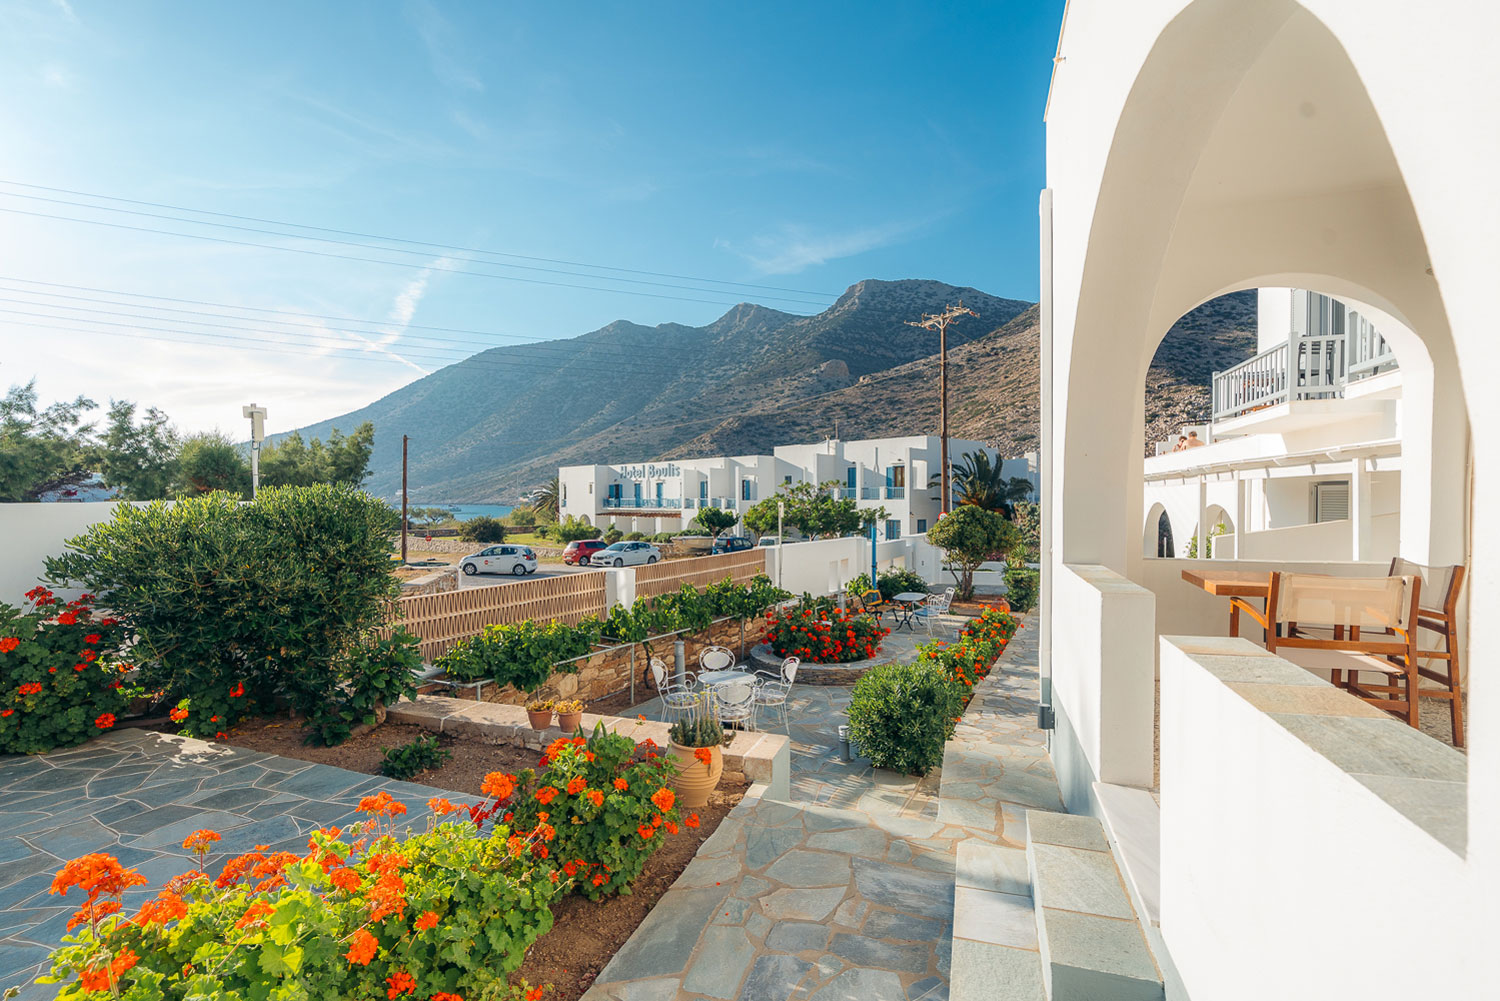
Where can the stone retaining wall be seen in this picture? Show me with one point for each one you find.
(437, 582)
(419, 544)
(608, 671)
(763, 658)
(749, 757)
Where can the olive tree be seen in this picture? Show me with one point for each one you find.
(969, 536)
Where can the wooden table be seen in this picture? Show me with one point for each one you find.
(1231, 584)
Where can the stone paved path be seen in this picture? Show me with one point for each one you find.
(136, 795)
(846, 893)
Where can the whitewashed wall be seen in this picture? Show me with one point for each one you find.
(32, 532)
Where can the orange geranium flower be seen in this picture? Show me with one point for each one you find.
(621, 785)
(645, 831)
(345, 879)
(576, 785)
(692, 820)
(499, 785)
(93, 912)
(255, 912)
(177, 715)
(535, 994)
(429, 919)
(400, 983)
(167, 906)
(199, 841)
(545, 795)
(664, 798)
(30, 688)
(445, 996)
(381, 804)
(596, 797)
(97, 875)
(704, 755)
(362, 946)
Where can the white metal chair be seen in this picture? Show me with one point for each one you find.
(734, 702)
(772, 695)
(936, 605)
(680, 700)
(715, 658)
(785, 673)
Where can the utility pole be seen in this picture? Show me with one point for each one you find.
(403, 499)
(940, 322)
(257, 417)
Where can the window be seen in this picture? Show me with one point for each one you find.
(892, 529)
(787, 480)
(615, 491)
(921, 526)
(1330, 501)
(853, 473)
(746, 489)
(565, 493)
(659, 487)
(703, 490)
(896, 476)
(637, 494)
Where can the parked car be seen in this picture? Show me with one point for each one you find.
(578, 553)
(518, 560)
(626, 554)
(731, 544)
(769, 540)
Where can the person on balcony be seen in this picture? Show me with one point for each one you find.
(1193, 441)
(1181, 443)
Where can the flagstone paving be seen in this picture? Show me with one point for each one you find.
(845, 892)
(137, 794)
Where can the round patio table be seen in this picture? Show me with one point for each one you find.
(722, 677)
(910, 601)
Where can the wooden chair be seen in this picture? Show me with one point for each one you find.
(1348, 626)
(1439, 614)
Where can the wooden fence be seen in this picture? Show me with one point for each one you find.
(441, 620)
(700, 571)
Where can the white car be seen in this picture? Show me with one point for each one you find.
(518, 560)
(626, 554)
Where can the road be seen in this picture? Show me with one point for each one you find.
(542, 570)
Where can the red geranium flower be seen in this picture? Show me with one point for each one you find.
(105, 721)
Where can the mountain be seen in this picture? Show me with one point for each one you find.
(494, 425)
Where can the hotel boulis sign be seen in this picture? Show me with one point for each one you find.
(651, 471)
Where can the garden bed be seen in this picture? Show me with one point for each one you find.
(585, 934)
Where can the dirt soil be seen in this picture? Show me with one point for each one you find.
(585, 935)
(463, 773)
(609, 705)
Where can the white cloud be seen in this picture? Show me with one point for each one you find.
(793, 248)
(67, 10)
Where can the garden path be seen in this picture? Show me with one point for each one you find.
(846, 892)
(136, 794)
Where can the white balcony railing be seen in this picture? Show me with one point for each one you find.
(1303, 368)
(1369, 353)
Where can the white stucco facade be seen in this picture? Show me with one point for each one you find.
(663, 496)
(1198, 148)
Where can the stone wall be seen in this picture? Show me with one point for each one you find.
(418, 544)
(608, 671)
(437, 582)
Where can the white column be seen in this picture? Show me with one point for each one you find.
(1360, 509)
(1202, 517)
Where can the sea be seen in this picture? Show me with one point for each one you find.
(463, 512)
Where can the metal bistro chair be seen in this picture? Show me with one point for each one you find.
(680, 700)
(1438, 613)
(935, 606)
(734, 702)
(715, 658)
(772, 694)
(1348, 625)
(873, 603)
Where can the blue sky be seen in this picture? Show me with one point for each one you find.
(802, 146)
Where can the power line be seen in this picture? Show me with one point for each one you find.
(405, 265)
(395, 239)
(428, 251)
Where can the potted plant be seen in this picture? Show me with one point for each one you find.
(696, 744)
(569, 715)
(539, 711)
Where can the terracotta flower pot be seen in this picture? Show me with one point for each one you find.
(695, 780)
(540, 720)
(568, 722)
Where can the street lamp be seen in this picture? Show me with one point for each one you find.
(257, 417)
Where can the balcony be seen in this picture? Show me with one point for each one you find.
(1305, 367)
(880, 493)
(643, 503)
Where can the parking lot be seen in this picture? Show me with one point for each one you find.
(542, 570)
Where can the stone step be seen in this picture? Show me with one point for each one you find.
(995, 954)
(1088, 934)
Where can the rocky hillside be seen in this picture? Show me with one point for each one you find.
(496, 424)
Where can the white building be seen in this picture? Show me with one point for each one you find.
(893, 473)
(1303, 453)
(1199, 147)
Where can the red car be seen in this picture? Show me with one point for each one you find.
(579, 553)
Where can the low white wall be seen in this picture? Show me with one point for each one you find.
(33, 532)
(1282, 875)
(1103, 671)
(1328, 540)
(821, 567)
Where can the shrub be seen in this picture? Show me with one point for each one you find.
(823, 635)
(713, 520)
(522, 516)
(447, 911)
(1021, 586)
(610, 803)
(523, 653)
(980, 643)
(61, 681)
(571, 529)
(662, 537)
(891, 582)
(412, 759)
(242, 608)
(482, 528)
(901, 714)
(612, 535)
(635, 536)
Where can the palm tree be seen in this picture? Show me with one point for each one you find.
(982, 483)
(544, 499)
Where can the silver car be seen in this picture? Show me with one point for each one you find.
(626, 554)
(518, 560)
